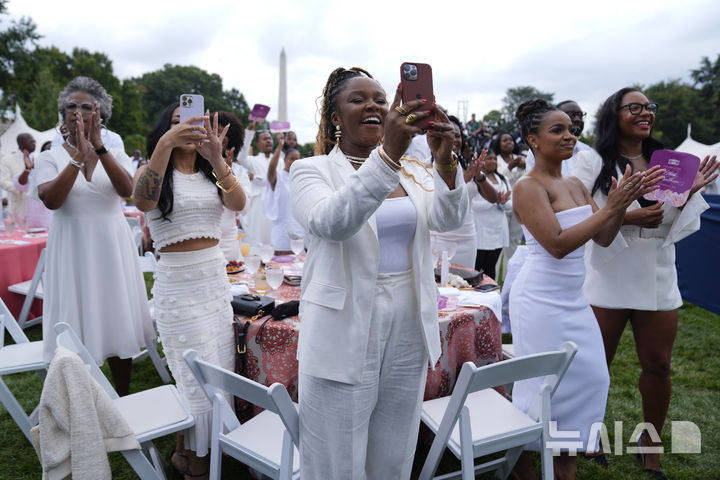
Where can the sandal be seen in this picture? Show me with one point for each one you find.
(656, 474)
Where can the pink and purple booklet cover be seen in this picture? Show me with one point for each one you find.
(680, 171)
(259, 112)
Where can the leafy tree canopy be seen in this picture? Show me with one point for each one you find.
(512, 100)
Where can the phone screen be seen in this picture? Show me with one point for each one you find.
(192, 105)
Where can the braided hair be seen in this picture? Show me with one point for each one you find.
(530, 115)
(326, 132)
(607, 137)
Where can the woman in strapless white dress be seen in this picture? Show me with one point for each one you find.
(547, 306)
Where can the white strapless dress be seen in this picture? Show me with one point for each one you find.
(547, 308)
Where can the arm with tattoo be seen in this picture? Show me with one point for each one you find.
(147, 189)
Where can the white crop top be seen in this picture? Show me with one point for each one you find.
(196, 212)
(396, 221)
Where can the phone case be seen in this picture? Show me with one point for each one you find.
(416, 79)
(259, 112)
(192, 105)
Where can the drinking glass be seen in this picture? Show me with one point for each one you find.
(261, 283)
(244, 249)
(266, 252)
(9, 225)
(252, 264)
(274, 277)
(297, 245)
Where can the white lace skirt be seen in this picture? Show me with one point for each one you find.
(193, 311)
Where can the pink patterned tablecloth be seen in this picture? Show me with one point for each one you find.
(466, 334)
(17, 264)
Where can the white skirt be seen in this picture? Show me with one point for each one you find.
(193, 311)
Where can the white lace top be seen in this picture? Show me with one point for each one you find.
(196, 212)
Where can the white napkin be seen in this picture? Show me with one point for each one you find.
(448, 291)
(238, 289)
(492, 300)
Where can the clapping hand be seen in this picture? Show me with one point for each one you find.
(475, 166)
(504, 197)
(706, 173)
(95, 125)
(29, 164)
(631, 187)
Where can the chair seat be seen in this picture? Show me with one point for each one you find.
(263, 436)
(22, 357)
(508, 350)
(492, 417)
(154, 412)
(23, 288)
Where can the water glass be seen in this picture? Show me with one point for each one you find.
(261, 285)
(266, 252)
(297, 245)
(274, 277)
(9, 225)
(252, 264)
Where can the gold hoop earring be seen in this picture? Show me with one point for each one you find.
(338, 133)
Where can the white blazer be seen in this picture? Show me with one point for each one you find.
(335, 205)
(491, 222)
(637, 270)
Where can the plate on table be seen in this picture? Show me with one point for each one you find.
(36, 230)
(234, 267)
(283, 258)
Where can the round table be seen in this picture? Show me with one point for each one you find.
(19, 254)
(466, 334)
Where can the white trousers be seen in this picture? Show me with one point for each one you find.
(369, 430)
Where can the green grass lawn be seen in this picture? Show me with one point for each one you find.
(696, 397)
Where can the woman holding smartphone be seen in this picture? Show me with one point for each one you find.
(183, 190)
(558, 217)
(368, 304)
(635, 279)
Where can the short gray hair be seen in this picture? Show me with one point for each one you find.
(91, 87)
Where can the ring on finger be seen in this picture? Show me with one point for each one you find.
(411, 118)
(401, 110)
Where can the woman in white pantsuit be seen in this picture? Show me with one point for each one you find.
(634, 280)
(368, 304)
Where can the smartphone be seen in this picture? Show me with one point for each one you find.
(259, 112)
(416, 79)
(487, 288)
(192, 105)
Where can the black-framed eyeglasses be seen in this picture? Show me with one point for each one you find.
(576, 114)
(86, 107)
(636, 108)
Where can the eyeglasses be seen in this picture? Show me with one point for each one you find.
(576, 113)
(86, 107)
(637, 108)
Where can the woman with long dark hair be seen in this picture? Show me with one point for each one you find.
(634, 280)
(183, 189)
(368, 305)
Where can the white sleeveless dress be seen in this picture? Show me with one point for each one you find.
(547, 308)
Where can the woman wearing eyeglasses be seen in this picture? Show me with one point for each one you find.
(93, 279)
(634, 279)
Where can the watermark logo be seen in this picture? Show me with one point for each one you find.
(685, 437)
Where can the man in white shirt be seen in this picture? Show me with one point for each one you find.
(20, 163)
(572, 109)
(258, 227)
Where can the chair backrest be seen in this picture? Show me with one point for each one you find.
(67, 338)
(134, 222)
(275, 398)
(148, 263)
(8, 322)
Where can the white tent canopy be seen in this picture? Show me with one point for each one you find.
(9, 138)
(701, 150)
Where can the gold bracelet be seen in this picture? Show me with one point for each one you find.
(229, 171)
(395, 166)
(449, 167)
(231, 189)
(219, 182)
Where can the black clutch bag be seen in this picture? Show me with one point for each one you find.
(251, 305)
(473, 277)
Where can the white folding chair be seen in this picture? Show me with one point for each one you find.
(150, 414)
(267, 442)
(31, 289)
(476, 420)
(23, 356)
(134, 222)
(149, 264)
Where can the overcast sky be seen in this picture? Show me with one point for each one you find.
(578, 50)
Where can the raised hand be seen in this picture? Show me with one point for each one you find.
(706, 173)
(441, 137)
(93, 134)
(504, 197)
(398, 132)
(211, 148)
(29, 164)
(475, 166)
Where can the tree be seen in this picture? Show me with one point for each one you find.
(41, 110)
(492, 118)
(15, 43)
(160, 88)
(680, 104)
(516, 96)
(707, 78)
